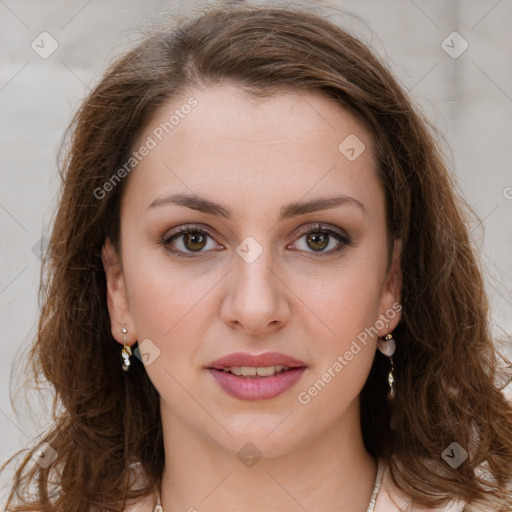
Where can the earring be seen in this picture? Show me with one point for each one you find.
(126, 351)
(388, 346)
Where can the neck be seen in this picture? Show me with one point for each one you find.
(331, 472)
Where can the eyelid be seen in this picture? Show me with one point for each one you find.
(185, 228)
(319, 226)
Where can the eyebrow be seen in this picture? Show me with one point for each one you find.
(288, 211)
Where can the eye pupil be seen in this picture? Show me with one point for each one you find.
(196, 239)
(318, 241)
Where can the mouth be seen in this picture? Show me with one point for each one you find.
(254, 371)
(256, 377)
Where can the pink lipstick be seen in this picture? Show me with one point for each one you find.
(256, 377)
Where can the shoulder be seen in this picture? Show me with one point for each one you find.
(392, 499)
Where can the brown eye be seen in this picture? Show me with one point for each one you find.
(187, 240)
(322, 240)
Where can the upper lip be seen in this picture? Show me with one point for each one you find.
(259, 360)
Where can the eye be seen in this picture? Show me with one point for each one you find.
(322, 240)
(188, 239)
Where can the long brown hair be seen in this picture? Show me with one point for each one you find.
(445, 366)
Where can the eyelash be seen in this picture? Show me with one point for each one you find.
(344, 239)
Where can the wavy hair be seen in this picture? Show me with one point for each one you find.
(446, 366)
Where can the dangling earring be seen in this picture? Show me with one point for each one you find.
(388, 346)
(126, 351)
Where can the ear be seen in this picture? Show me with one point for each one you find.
(117, 297)
(390, 307)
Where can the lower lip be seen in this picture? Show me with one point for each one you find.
(257, 388)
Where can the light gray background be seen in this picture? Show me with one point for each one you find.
(468, 98)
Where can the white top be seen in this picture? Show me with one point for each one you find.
(386, 497)
(392, 499)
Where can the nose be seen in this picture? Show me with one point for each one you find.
(257, 300)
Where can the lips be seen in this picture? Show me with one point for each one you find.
(267, 359)
(256, 377)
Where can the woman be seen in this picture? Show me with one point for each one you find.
(260, 291)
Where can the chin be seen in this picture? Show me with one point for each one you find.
(257, 437)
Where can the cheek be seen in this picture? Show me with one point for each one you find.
(166, 302)
(348, 306)
(173, 310)
(345, 299)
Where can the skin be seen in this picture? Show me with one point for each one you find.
(254, 156)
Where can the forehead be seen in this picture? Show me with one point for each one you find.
(285, 146)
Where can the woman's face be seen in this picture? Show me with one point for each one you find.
(286, 257)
